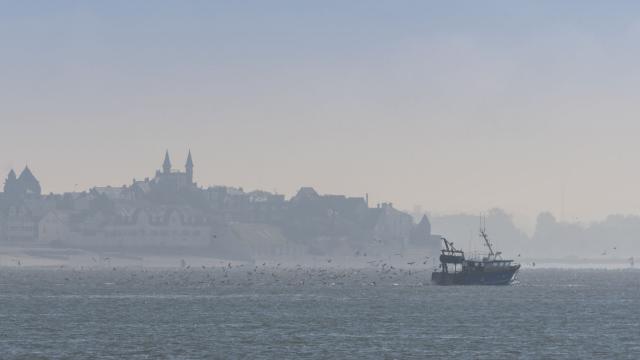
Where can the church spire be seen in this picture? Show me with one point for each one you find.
(189, 160)
(189, 168)
(166, 165)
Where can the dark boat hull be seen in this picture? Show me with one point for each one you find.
(501, 277)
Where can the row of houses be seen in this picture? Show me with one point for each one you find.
(126, 227)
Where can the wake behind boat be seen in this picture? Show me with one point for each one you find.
(455, 269)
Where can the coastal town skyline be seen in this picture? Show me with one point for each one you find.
(169, 213)
(309, 222)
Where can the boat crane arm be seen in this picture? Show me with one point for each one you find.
(446, 244)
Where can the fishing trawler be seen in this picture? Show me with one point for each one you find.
(455, 269)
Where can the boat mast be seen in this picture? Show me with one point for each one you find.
(483, 234)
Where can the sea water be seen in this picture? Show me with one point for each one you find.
(257, 312)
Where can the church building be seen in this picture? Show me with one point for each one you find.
(24, 185)
(170, 180)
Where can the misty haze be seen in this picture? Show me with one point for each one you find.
(331, 180)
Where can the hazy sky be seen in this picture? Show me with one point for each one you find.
(451, 105)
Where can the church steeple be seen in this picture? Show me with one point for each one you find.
(189, 168)
(166, 165)
(28, 183)
(10, 183)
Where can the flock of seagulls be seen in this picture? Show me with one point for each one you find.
(224, 273)
(227, 274)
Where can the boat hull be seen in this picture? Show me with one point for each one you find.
(500, 277)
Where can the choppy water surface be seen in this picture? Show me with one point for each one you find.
(314, 313)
